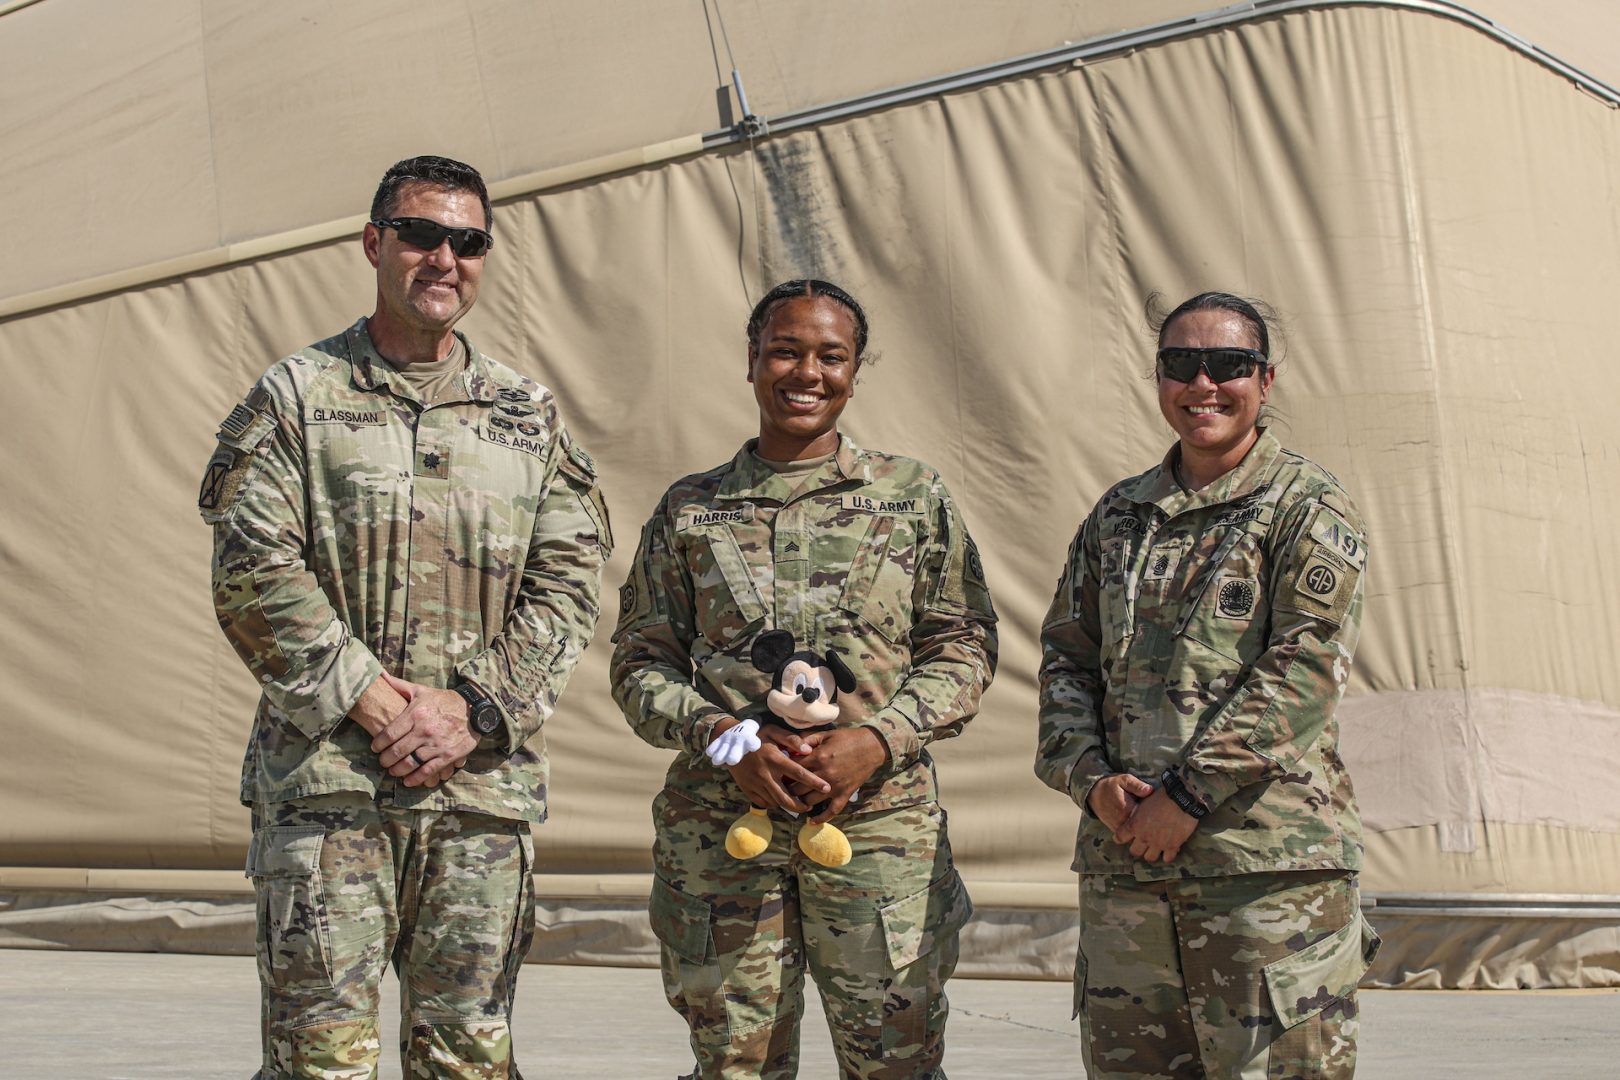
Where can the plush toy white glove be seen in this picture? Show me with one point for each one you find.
(736, 741)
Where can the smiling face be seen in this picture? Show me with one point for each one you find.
(1215, 421)
(422, 294)
(806, 694)
(803, 370)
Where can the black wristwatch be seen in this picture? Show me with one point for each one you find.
(1173, 787)
(482, 716)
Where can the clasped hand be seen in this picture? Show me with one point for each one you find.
(427, 740)
(1141, 816)
(796, 772)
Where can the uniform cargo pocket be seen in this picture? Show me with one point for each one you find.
(1305, 983)
(912, 926)
(294, 946)
(679, 921)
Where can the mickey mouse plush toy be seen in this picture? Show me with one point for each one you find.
(803, 697)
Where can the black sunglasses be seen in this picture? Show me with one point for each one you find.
(1221, 365)
(428, 235)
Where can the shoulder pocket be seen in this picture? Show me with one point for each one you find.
(578, 468)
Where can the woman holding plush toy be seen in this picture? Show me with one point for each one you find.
(800, 623)
(1192, 659)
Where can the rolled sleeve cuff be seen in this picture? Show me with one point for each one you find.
(316, 702)
(1086, 772)
(1210, 788)
(700, 727)
(898, 733)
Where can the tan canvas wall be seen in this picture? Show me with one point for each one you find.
(143, 132)
(1447, 359)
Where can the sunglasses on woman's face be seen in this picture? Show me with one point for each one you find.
(1221, 365)
(428, 235)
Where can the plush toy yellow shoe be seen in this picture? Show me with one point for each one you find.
(825, 844)
(751, 834)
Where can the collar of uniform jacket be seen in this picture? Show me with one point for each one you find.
(372, 371)
(748, 478)
(1159, 487)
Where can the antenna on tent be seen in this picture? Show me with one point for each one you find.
(750, 125)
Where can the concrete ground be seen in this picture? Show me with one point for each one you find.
(121, 1016)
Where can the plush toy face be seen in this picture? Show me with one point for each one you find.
(804, 685)
(805, 694)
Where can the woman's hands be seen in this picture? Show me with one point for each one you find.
(769, 776)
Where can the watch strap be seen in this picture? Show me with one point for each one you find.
(1173, 787)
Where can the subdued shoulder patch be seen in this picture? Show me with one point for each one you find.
(1332, 531)
(245, 428)
(868, 505)
(1322, 585)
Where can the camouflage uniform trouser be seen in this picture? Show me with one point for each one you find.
(1247, 976)
(344, 886)
(879, 935)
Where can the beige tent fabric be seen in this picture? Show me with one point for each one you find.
(1448, 340)
(143, 132)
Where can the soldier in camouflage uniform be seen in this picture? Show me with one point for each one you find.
(1199, 641)
(849, 550)
(396, 514)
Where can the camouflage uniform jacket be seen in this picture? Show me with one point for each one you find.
(867, 555)
(1211, 633)
(356, 530)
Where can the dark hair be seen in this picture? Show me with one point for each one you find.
(440, 172)
(1258, 314)
(789, 290)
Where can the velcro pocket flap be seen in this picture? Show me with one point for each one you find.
(679, 921)
(912, 925)
(285, 851)
(1305, 983)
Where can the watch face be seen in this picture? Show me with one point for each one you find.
(486, 718)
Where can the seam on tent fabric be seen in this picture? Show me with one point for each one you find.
(1107, 176)
(1400, 92)
(15, 5)
(629, 160)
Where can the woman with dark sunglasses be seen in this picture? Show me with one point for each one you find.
(1199, 641)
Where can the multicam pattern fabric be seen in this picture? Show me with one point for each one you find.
(1211, 633)
(343, 885)
(1252, 976)
(868, 556)
(878, 935)
(357, 530)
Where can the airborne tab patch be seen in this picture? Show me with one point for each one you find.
(868, 505)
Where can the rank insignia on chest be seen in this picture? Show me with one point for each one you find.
(1161, 563)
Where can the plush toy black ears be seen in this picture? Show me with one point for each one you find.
(771, 650)
(843, 678)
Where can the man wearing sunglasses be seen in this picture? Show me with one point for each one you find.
(407, 556)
